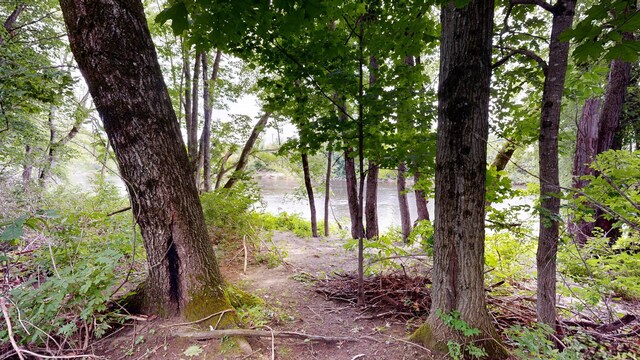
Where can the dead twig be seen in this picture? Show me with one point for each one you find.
(216, 334)
(201, 320)
(5, 313)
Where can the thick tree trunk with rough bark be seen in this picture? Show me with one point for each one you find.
(463, 106)
(421, 199)
(403, 202)
(114, 51)
(327, 193)
(312, 201)
(586, 145)
(246, 150)
(563, 14)
(371, 207)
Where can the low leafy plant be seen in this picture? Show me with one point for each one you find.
(80, 257)
(534, 342)
(457, 350)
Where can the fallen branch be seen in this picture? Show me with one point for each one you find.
(221, 313)
(5, 313)
(217, 334)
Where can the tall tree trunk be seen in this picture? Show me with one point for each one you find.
(206, 130)
(27, 167)
(327, 193)
(619, 77)
(371, 210)
(548, 149)
(586, 145)
(103, 169)
(48, 164)
(421, 199)
(80, 115)
(352, 193)
(463, 107)
(206, 109)
(244, 156)
(222, 169)
(192, 131)
(186, 74)
(403, 202)
(312, 201)
(9, 23)
(130, 95)
(371, 207)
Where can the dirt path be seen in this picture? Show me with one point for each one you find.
(311, 313)
(297, 307)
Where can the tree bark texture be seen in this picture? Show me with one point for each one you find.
(352, 193)
(371, 209)
(192, 130)
(312, 201)
(463, 107)
(548, 163)
(54, 146)
(421, 199)
(608, 133)
(327, 193)
(27, 167)
(246, 150)
(403, 202)
(586, 145)
(206, 130)
(114, 51)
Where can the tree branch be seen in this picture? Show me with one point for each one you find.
(543, 4)
(216, 334)
(524, 52)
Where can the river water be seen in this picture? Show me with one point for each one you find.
(279, 196)
(286, 194)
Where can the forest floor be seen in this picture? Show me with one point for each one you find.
(289, 292)
(312, 293)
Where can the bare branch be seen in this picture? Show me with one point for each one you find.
(543, 4)
(524, 52)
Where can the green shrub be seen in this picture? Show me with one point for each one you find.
(508, 257)
(603, 268)
(83, 255)
(227, 211)
(534, 342)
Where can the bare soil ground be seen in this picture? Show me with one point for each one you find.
(297, 306)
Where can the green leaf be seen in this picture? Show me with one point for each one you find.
(179, 16)
(588, 50)
(193, 350)
(626, 51)
(461, 3)
(14, 230)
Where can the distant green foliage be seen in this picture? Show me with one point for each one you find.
(227, 211)
(602, 269)
(508, 257)
(378, 251)
(616, 187)
(287, 222)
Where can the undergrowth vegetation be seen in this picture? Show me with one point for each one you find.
(70, 263)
